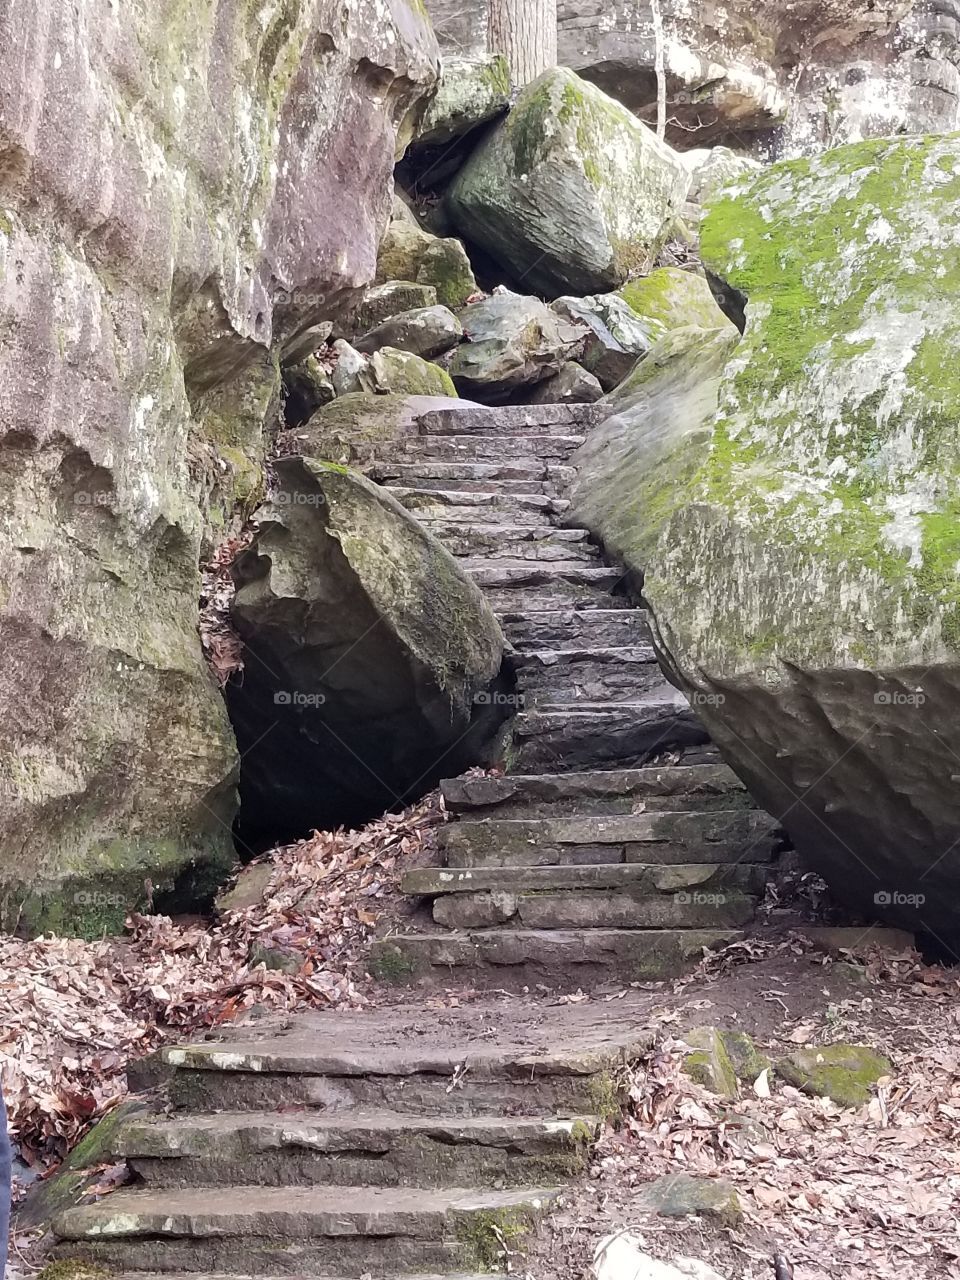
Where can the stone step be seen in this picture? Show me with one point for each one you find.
(591, 737)
(558, 594)
(659, 838)
(300, 1230)
(554, 959)
(354, 1148)
(493, 448)
(475, 477)
(522, 575)
(606, 791)
(341, 1062)
(507, 541)
(478, 508)
(570, 628)
(560, 677)
(700, 896)
(511, 420)
(206, 1275)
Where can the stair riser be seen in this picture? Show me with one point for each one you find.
(425, 1164)
(699, 909)
(585, 855)
(549, 742)
(507, 600)
(489, 448)
(512, 420)
(257, 1256)
(614, 629)
(444, 484)
(536, 552)
(560, 686)
(419, 1094)
(514, 960)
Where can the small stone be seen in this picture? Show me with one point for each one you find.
(512, 342)
(350, 374)
(425, 332)
(308, 387)
(679, 1195)
(391, 299)
(249, 890)
(572, 385)
(616, 335)
(401, 373)
(306, 344)
(446, 267)
(845, 1073)
(709, 1064)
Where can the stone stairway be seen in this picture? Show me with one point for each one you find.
(356, 1145)
(422, 1141)
(617, 846)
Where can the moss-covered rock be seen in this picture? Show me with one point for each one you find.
(616, 336)
(846, 1073)
(401, 373)
(678, 1195)
(709, 1063)
(446, 267)
(372, 658)
(357, 428)
(390, 299)
(472, 91)
(669, 298)
(801, 560)
(571, 192)
(426, 332)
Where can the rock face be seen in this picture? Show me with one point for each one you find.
(371, 658)
(801, 545)
(570, 193)
(157, 248)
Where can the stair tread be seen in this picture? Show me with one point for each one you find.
(139, 1134)
(649, 877)
(305, 1212)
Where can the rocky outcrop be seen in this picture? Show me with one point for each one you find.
(795, 78)
(371, 658)
(570, 193)
(800, 545)
(158, 246)
(512, 343)
(471, 93)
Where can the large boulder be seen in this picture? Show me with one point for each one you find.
(511, 343)
(570, 192)
(802, 556)
(371, 658)
(472, 92)
(158, 249)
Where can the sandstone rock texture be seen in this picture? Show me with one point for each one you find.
(371, 656)
(158, 247)
(801, 544)
(571, 192)
(511, 343)
(795, 77)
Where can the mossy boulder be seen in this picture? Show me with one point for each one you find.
(355, 429)
(570, 193)
(802, 557)
(446, 267)
(722, 1060)
(845, 1073)
(670, 298)
(373, 662)
(401, 373)
(472, 91)
(426, 332)
(390, 299)
(408, 253)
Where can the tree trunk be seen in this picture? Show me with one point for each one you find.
(525, 32)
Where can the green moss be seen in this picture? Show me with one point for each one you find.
(605, 1095)
(485, 1233)
(845, 1073)
(72, 1269)
(389, 963)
